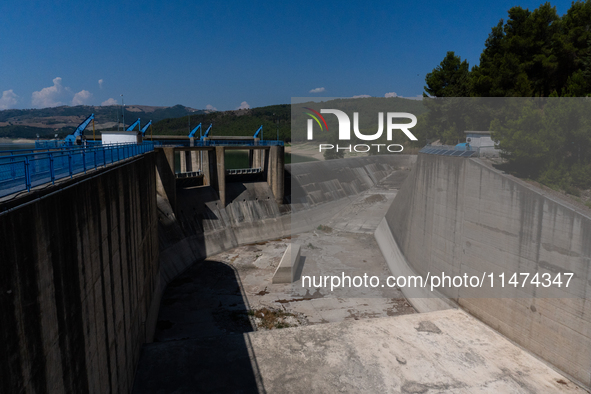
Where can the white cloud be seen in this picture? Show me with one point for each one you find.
(8, 99)
(391, 94)
(81, 97)
(244, 105)
(362, 96)
(317, 90)
(110, 101)
(100, 81)
(48, 97)
(212, 108)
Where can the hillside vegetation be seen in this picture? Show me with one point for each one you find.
(233, 123)
(27, 123)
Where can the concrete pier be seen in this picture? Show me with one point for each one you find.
(221, 174)
(275, 164)
(183, 161)
(166, 180)
(204, 156)
(254, 156)
(195, 157)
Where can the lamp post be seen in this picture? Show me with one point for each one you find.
(123, 111)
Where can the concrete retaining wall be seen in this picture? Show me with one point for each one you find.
(78, 271)
(460, 216)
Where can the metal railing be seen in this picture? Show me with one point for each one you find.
(20, 172)
(450, 150)
(35, 150)
(240, 171)
(189, 174)
(447, 150)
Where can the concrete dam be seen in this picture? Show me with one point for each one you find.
(129, 279)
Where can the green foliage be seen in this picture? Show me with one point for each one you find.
(450, 79)
(519, 59)
(549, 141)
(234, 123)
(522, 140)
(532, 54)
(29, 132)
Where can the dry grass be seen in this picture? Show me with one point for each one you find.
(271, 319)
(374, 198)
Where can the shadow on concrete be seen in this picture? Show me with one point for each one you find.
(200, 346)
(299, 269)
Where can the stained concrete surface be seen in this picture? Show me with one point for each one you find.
(444, 351)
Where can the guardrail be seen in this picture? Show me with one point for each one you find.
(20, 172)
(445, 150)
(37, 150)
(189, 174)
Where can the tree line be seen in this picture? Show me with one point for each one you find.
(531, 54)
(536, 54)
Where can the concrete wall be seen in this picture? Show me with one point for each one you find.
(460, 216)
(79, 269)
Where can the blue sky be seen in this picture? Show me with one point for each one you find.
(227, 54)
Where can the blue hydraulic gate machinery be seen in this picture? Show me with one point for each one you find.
(146, 128)
(79, 132)
(194, 131)
(258, 131)
(136, 123)
(206, 132)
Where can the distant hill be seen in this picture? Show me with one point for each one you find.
(27, 123)
(276, 119)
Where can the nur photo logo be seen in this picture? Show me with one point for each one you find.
(391, 119)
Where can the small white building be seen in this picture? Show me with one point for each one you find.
(481, 141)
(121, 137)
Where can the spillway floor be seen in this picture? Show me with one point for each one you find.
(233, 292)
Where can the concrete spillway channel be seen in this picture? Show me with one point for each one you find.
(122, 280)
(224, 327)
